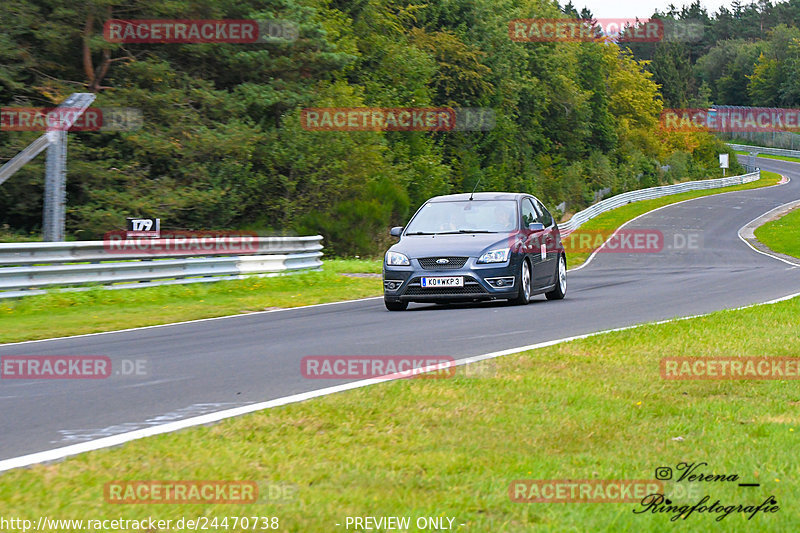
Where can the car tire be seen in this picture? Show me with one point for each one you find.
(525, 283)
(395, 306)
(560, 289)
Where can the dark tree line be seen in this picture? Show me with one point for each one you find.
(747, 55)
(221, 146)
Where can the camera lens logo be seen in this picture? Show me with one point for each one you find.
(663, 473)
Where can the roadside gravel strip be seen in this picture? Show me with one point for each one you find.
(202, 371)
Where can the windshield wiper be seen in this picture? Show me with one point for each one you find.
(466, 231)
(451, 232)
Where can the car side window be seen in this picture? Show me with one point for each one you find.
(544, 215)
(528, 213)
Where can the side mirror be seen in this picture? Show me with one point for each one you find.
(536, 226)
(396, 231)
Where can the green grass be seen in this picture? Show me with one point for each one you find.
(779, 157)
(71, 313)
(8, 236)
(782, 235)
(348, 266)
(590, 409)
(608, 222)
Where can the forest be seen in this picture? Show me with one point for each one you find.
(748, 55)
(221, 144)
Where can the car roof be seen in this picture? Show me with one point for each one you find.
(479, 196)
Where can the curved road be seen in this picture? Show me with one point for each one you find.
(210, 365)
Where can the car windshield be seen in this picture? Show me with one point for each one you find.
(468, 216)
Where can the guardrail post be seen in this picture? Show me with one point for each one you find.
(55, 187)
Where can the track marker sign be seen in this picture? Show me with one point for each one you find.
(143, 227)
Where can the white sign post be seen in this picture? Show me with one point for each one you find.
(723, 163)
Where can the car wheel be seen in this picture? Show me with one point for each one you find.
(395, 306)
(560, 290)
(524, 295)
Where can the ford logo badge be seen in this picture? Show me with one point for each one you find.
(442, 261)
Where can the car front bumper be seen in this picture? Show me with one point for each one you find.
(481, 282)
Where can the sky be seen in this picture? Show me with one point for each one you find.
(640, 8)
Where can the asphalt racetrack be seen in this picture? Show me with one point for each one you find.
(210, 365)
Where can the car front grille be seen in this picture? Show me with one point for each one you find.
(453, 263)
(470, 287)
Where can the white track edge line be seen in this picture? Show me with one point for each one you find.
(116, 440)
(762, 252)
(345, 301)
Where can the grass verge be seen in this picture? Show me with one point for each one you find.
(610, 221)
(782, 235)
(72, 313)
(778, 157)
(595, 408)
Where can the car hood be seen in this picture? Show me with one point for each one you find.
(462, 244)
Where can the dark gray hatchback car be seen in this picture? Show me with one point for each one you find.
(484, 246)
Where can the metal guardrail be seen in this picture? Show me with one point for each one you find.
(619, 200)
(765, 150)
(29, 268)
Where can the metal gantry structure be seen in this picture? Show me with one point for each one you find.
(55, 182)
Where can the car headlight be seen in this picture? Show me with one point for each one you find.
(494, 256)
(396, 259)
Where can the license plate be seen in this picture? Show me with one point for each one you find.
(452, 281)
